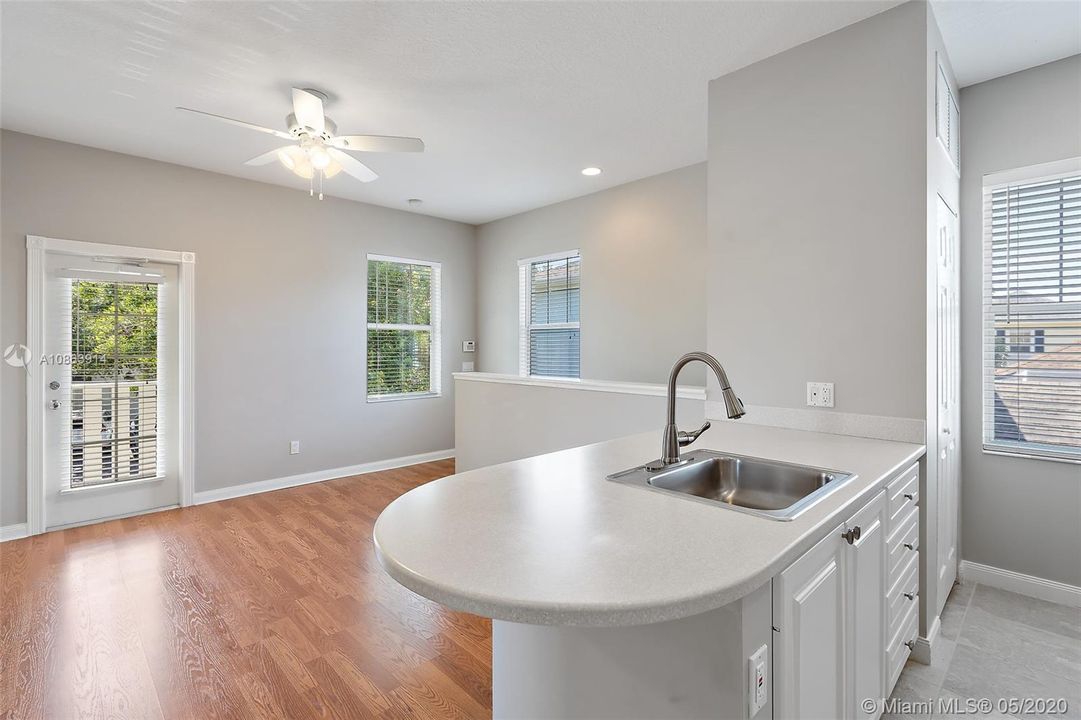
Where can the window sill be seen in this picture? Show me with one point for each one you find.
(116, 485)
(403, 396)
(1028, 454)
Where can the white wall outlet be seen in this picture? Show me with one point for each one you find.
(294, 447)
(819, 394)
(758, 679)
(467, 366)
(469, 345)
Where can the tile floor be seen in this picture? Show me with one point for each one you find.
(997, 644)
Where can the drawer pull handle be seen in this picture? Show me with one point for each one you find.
(852, 535)
(910, 596)
(910, 546)
(911, 644)
(910, 496)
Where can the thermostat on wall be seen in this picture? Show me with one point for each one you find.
(469, 346)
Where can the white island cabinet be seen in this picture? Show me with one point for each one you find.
(829, 622)
(614, 601)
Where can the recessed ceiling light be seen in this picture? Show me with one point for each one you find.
(414, 201)
(591, 171)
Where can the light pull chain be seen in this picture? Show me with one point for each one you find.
(322, 173)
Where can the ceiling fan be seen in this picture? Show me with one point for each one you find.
(317, 149)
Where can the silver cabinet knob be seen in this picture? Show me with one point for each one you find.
(910, 546)
(55, 404)
(910, 496)
(54, 385)
(910, 596)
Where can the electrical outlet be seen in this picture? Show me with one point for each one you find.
(294, 447)
(758, 680)
(819, 394)
(467, 366)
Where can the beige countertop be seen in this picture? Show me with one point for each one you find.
(549, 541)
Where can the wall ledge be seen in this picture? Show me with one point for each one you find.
(686, 392)
(1030, 585)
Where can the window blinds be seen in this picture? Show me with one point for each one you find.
(549, 310)
(403, 327)
(1032, 316)
(111, 434)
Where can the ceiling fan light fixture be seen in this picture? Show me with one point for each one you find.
(294, 159)
(286, 159)
(319, 157)
(332, 169)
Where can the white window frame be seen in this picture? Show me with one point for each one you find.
(524, 325)
(991, 183)
(435, 327)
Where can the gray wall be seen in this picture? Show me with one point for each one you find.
(279, 306)
(1017, 514)
(643, 282)
(817, 219)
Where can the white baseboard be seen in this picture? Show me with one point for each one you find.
(235, 491)
(924, 648)
(12, 532)
(1030, 585)
(878, 427)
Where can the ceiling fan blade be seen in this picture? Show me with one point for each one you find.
(276, 133)
(378, 143)
(352, 166)
(267, 157)
(308, 110)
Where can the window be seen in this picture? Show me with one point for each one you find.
(113, 429)
(549, 334)
(1032, 311)
(403, 328)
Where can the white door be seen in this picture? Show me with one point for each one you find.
(809, 645)
(110, 376)
(948, 455)
(866, 577)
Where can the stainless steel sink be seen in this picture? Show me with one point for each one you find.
(775, 490)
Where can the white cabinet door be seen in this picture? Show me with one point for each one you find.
(808, 612)
(865, 581)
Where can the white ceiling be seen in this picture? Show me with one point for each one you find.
(988, 39)
(512, 99)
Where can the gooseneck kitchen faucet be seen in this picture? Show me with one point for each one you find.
(674, 438)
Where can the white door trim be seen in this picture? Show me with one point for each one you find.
(36, 248)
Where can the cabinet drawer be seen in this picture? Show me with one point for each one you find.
(902, 595)
(902, 544)
(903, 493)
(897, 651)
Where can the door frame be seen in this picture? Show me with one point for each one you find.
(36, 249)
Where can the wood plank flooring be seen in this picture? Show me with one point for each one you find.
(272, 605)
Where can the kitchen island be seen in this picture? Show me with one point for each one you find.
(607, 598)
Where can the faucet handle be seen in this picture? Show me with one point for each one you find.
(686, 438)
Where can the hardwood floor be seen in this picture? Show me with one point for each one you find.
(272, 605)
